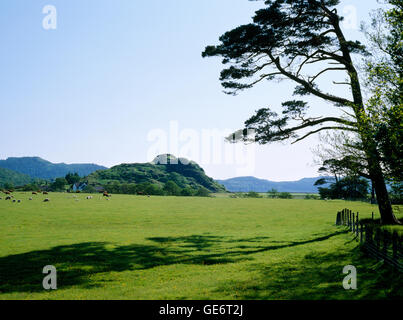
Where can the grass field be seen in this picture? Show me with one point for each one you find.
(184, 248)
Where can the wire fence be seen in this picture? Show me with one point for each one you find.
(380, 243)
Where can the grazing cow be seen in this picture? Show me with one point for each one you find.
(8, 198)
(7, 192)
(106, 194)
(45, 192)
(19, 201)
(14, 201)
(46, 200)
(34, 193)
(30, 199)
(89, 198)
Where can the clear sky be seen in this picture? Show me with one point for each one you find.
(119, 81)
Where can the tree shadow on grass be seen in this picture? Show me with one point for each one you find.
(76, 263)
(319, 276)
(196, 242)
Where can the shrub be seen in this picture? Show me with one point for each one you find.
(154, 190)
(172, 189)
(285, 195)
(187, 192)
(58, 185)
(312, 197)
(89, 189)
(30, 187)
(273, 193)
(202, 192)
(253, 194)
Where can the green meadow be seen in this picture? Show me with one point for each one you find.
(133, 247)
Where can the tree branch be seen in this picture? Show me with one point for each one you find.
(325, 70)
(322, 129)
(308, 86)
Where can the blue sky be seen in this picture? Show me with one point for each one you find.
(115, 71)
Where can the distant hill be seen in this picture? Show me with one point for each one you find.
(247, 184)
(14, 178)
(36, 167)
(164, 168)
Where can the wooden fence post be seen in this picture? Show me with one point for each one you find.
(395, 239)
(351, 220)
(344, 217)
(352, 223)
(357, 224)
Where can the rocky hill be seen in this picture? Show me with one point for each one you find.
(164, 168)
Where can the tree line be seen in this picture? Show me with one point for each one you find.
(170, 188)
(62, 184)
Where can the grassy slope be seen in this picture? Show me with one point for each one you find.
(183, 248)
(36, 167)
(16, 178)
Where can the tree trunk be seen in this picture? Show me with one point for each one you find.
(369, 144)
(384, 204)
(373, 157)
(373, 201)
